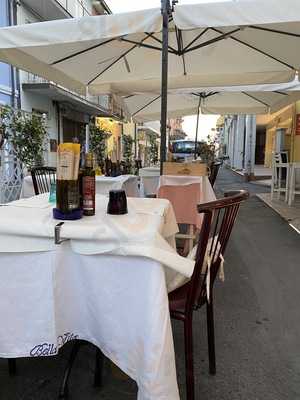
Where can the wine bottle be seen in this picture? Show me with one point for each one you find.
(88, 186)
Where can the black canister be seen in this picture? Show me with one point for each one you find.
(117, 204)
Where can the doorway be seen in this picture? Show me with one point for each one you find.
(73, 131)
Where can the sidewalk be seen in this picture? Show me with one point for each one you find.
(290, 213)
(260, 173)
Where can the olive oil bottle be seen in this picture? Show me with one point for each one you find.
(88, 186)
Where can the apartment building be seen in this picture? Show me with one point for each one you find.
(67, 113)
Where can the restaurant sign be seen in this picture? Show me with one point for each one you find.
(298, 124)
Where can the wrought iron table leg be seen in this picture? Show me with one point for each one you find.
(64, 389)
(12, 366)
(98, 382)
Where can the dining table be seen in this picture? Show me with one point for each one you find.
(149, 180)
(103, 185)
(106, 280)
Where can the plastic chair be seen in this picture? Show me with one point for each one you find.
(218, 220)
(184, 199)
(280, 175)
(294, 189)
(42, 178)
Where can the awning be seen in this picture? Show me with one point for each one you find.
(61, 95)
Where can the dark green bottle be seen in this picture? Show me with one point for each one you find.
(88, 186)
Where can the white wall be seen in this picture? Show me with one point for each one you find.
(31, 101)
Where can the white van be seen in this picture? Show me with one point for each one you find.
(183, 150)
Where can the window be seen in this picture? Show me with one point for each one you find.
(5, 70)
(3, 13)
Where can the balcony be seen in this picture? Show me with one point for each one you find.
(103, 105)
(59, 9)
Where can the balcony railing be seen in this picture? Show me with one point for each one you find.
(104, 101)
(77, 8)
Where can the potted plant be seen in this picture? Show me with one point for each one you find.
(4, 119)
(98, 138)
(27, 134)
(127, 141)
(153, 150)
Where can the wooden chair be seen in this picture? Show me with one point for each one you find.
(218, 220)
(107, 167)
(214, 169)
(42, 178)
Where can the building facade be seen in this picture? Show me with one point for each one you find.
(249, 142)
(238, 143)
(67, 113)
(176, 131)
(9, 93)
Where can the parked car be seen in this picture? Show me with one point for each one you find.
(183, 150)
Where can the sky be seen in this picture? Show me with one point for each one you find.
(189, 125)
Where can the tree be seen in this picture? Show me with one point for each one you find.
(207, 150)
(153, 151)
(27, 133)
(98, 138)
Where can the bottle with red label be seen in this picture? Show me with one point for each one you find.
(88, 186)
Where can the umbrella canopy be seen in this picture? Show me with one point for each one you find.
(225, 43)
(215, 100)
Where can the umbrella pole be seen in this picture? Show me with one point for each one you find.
(165, 9)
(197, 126)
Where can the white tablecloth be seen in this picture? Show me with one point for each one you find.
(71, 291)
(149, 180)
(103, 185)
(117, 303)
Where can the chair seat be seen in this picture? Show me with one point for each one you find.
(178, 298)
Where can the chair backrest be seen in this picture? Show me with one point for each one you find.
(42, 178)
(138, 164)
(185, 169)
(281, 157)
(218, 220)
(184, 199)
(214, 169)
(108, 166)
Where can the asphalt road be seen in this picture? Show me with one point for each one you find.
(257, 324)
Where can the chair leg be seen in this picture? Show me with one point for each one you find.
(98, 381)
(211, 337)
(64, 389)
(12, 366)
(287, 185)
(189, 362)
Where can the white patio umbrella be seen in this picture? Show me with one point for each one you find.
(226, 43)
(262, 99)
